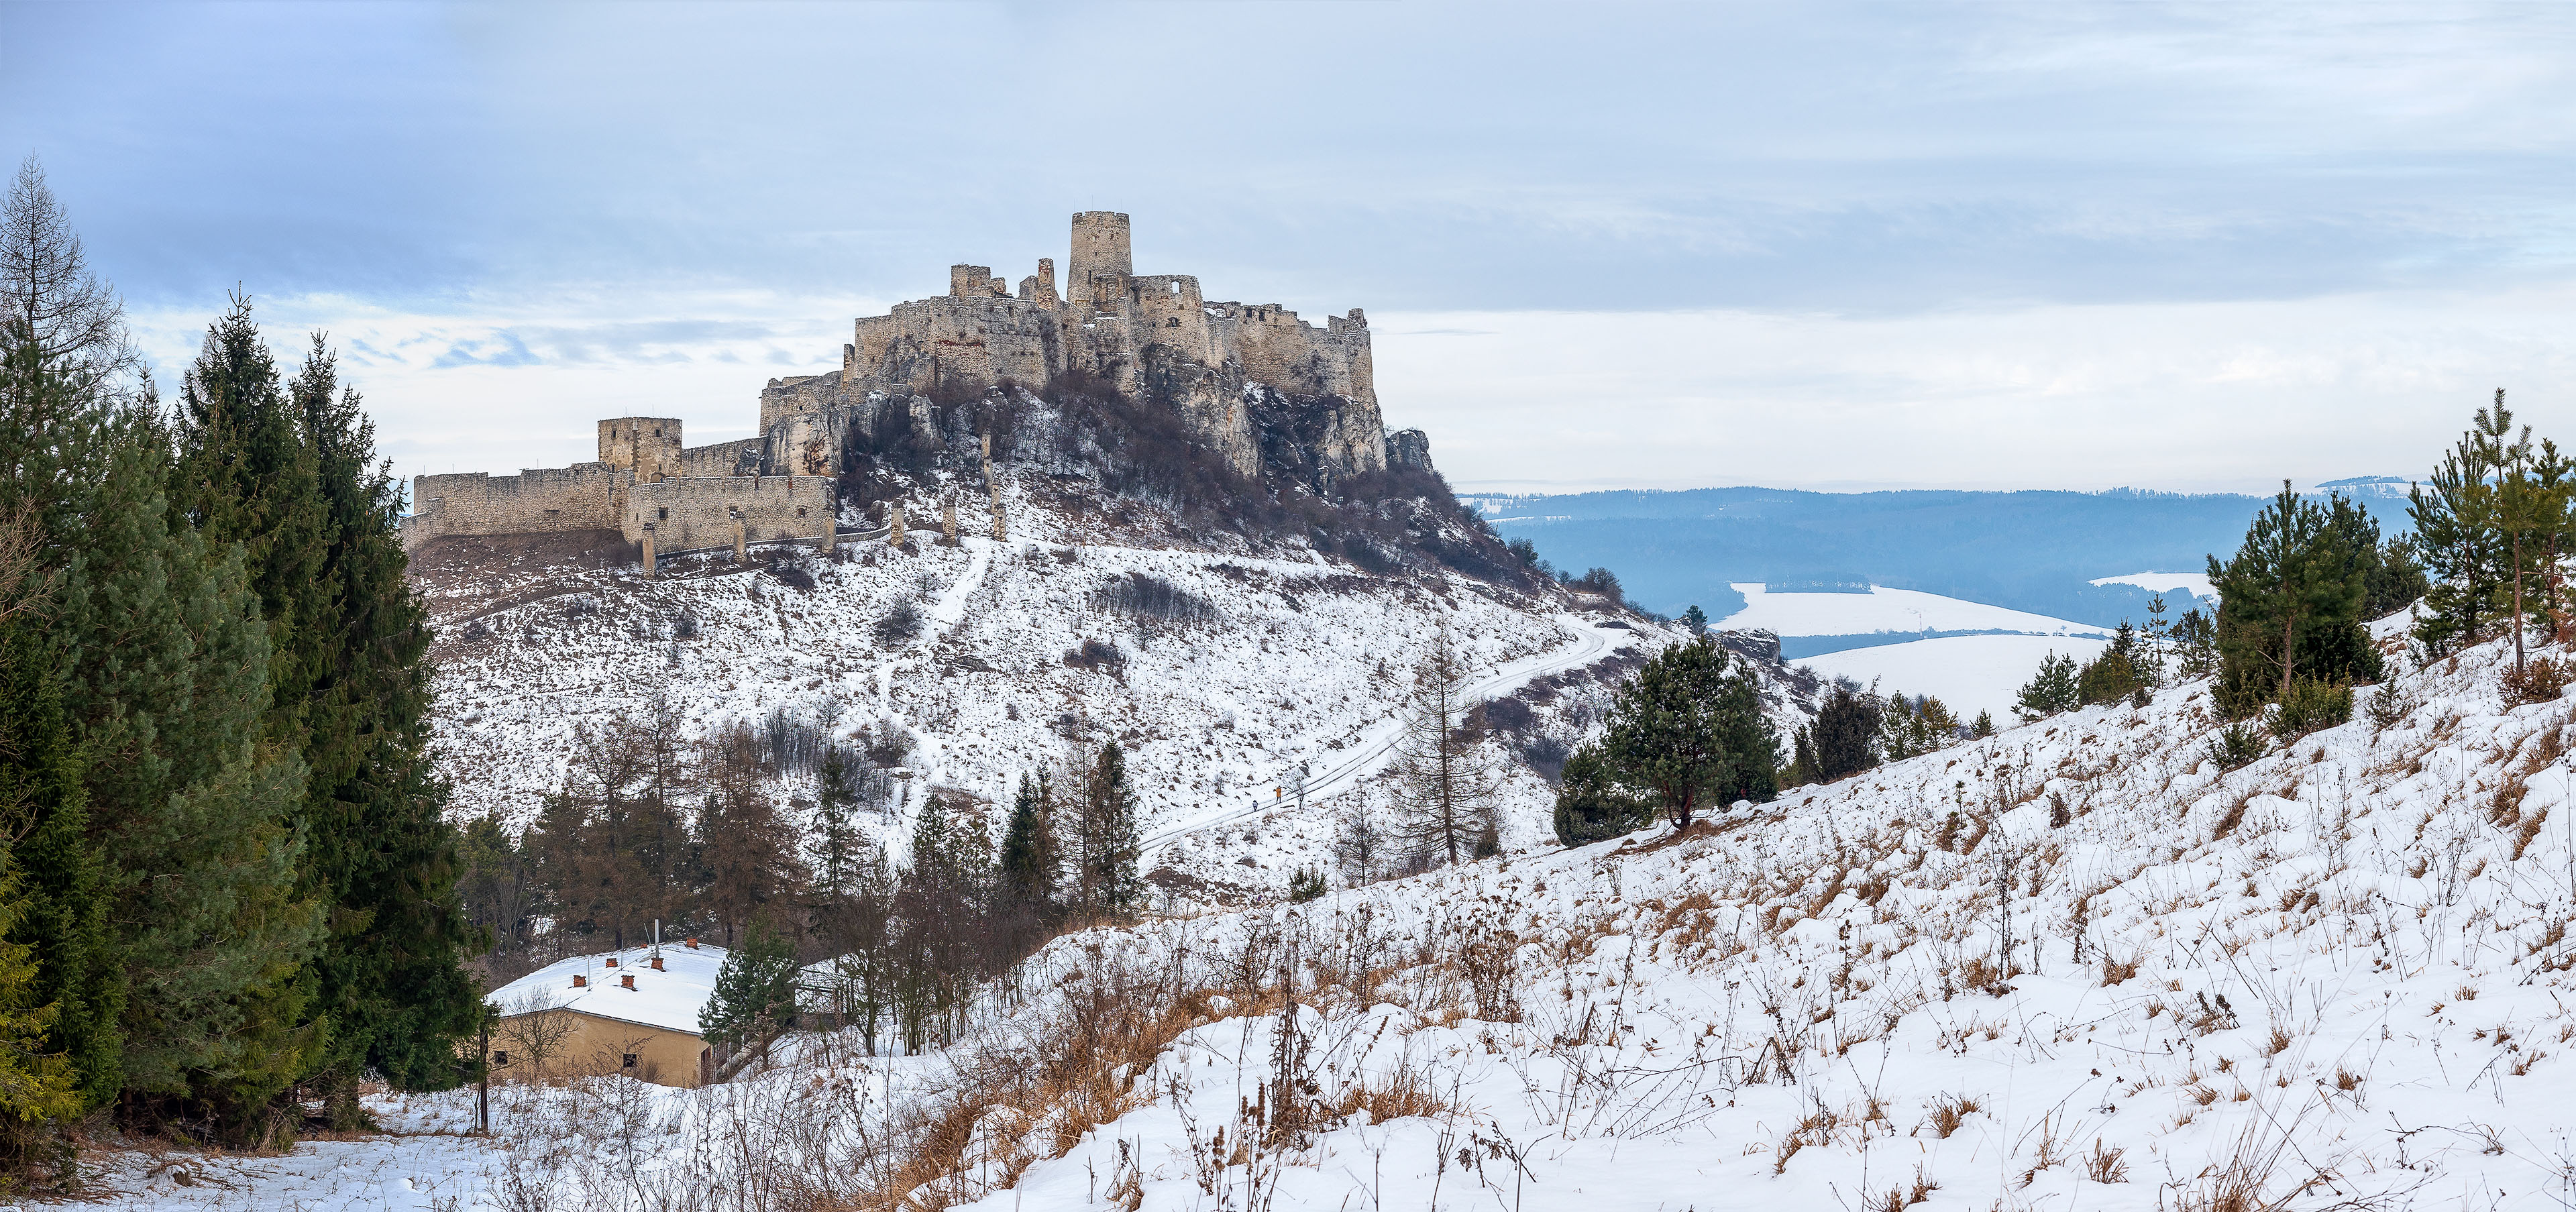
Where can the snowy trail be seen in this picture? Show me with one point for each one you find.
(1377, 743)
(944, 614)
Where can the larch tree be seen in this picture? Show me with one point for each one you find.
(1443, 784)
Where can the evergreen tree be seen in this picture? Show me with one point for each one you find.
(61, 907)
(1110, 848)
(1696, 619)
(1846, 734)
(2294, 588)
(1689, 731)
(836, 841)
(2054, 688)
(755, 991)
(1592, 805)
(2460, 534)
(189, 803)
(1028, 857)
(378, 843)
(1985, 725)
(1803, 765)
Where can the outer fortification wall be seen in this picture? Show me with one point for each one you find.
(740, 458)
(693, 513)
(584, 496)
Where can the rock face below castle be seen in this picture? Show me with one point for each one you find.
(1259, 386)
(1155, 337)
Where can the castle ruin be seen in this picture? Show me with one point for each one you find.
(1247, 379)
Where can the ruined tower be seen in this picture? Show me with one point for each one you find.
(1099, 251)
(648, 447)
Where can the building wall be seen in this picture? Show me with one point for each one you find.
(692, 514)
(741, 458)
(591, 1045)
(584, 496)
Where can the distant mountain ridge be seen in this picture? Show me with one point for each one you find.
(2032, 550)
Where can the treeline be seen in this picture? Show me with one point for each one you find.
(652, 830)
(229, 890)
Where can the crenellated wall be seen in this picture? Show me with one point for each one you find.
(584, 496)
(693, 513)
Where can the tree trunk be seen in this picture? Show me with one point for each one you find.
(2289, 651)
(2517, 603)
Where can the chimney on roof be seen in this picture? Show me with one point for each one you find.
(579, 981)
(627, 981)
(657, 963)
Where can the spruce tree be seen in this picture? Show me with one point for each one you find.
(1109, 842)
(190, 803)
(379, 845)
(1028, 857)
(1846, 731)
(62, 903)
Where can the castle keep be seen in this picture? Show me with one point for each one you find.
(1244, 378)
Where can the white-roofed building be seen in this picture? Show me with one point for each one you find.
(633, 1011)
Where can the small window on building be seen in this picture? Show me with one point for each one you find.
(662, 514)
(800, 511)
(501, 1059)
(630, 1061)
(657, 431)
(1174, 322)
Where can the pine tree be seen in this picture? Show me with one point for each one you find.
(1985, 725)
(1592, 806)
(2293, 586)
(1689, 731)
(2461, 536)
(755, 992)
(836, 840)
(1846, 732)
(1696, 619)
(1803, 767)
(2051, 690)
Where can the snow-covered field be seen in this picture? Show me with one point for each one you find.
(1882, 609)
(1969, 673)
(2076, 965)
(2193, 583)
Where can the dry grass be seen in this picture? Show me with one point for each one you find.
(1947, 1112)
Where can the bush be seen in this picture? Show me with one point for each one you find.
(2541, 680)
(1138, 595)
(2311, 705)
(1095, 654)
(900, 622)
(2388, 706)
(684, 626)
(1306, 885)
(2235, 745)
(793, 574)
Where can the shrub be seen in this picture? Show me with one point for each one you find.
(684, 626)
(793, 574)
(2309, 706)
(2235, 745)
(1142, 596)
(2540, 680)
(1306, 885)
(475, 630)
(900, 622)
(1095, 654)
(2388, 706)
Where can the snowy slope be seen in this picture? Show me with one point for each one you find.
(1296, 661)
(2338, 977)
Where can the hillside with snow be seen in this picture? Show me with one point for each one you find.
(1220, 673)
(2077, 964)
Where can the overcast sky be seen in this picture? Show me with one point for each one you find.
(2027, 245)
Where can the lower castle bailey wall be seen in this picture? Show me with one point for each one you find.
(584, 496)
(693, 513)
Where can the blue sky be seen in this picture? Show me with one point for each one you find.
(1601, 245)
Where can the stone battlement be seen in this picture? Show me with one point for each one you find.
(1220, 365)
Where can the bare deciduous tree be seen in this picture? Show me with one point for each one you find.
(1443, 785)
(74, 318)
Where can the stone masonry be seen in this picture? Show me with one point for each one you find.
(1252, 380)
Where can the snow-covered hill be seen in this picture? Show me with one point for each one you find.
(1218, 672)
(2076, 965)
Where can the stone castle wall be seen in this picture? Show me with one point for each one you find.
(691, 513)
(738, 458)
(584, 496)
